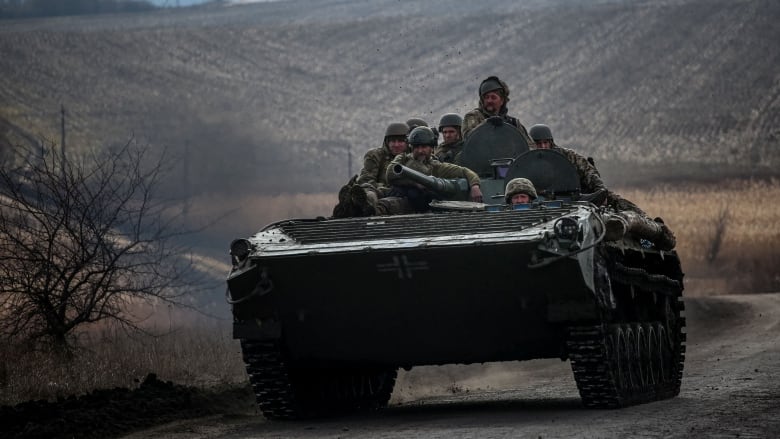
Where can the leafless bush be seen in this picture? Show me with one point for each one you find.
(80, 240)
(718, 234)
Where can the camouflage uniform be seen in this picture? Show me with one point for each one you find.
(429, 167)
(590, 180)
(623, 216)
(373, 176)
(395, 204)
(446, 152)
(477, 116)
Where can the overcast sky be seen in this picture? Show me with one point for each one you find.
(195, 2)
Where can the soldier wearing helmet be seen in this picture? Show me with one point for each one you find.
(625, 215)
(519, 191)
(361, 193)
(452, 141)
(416, 122)
(493, 97)
(372, 175)
(408, 197)
(590, 179)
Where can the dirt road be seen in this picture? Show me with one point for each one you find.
(730, 389)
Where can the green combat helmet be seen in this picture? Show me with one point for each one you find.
(416, 122)
(422, 136)
(450, 120)
(540, 132)
(492, 83)
(519, 186)
(396, 129)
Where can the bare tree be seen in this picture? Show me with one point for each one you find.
(83, 241)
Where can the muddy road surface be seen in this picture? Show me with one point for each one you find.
(731, 388)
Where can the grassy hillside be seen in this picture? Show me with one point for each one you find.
(267, 98)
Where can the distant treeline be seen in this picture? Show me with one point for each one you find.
(48, 8)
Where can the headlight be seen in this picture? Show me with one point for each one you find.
(566, 228)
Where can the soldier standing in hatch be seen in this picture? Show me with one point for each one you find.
(452, 142)
(493, 97)
(519, 191)
(590, 179)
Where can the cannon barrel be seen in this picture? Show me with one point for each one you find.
(443, 186)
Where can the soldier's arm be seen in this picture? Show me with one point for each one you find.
(448, 170)
(590, 180)
(619, 203)
(370, 172)
(590, 177)
(391, 178)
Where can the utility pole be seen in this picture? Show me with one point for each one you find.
(349, 161)
(186, 179)
(62, 138)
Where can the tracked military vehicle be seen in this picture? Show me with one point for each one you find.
(327, 310)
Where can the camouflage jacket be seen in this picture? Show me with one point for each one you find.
(432, 167)
(446, 152)
(477, 116)
(375, 163)
(590, 180)
(619, 203)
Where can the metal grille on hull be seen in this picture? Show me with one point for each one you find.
(416, 226)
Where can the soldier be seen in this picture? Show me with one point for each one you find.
(493, 97)
(452, 141)
(416, 122)
(372, 175)
(624, 216)
(590, 179)
(519, 191)
(408, 197)
(371, 182)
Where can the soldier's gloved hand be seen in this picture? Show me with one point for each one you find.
(476, 194)
(495, 121)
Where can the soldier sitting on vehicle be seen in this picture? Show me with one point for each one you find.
(415, 122)
(519, 191)
(625, 216)
(452, 141)
(409, 197)
(371, 182)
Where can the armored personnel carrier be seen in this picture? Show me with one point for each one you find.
(327, 310)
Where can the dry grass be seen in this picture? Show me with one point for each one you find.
(199, 351)
(726, 234)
